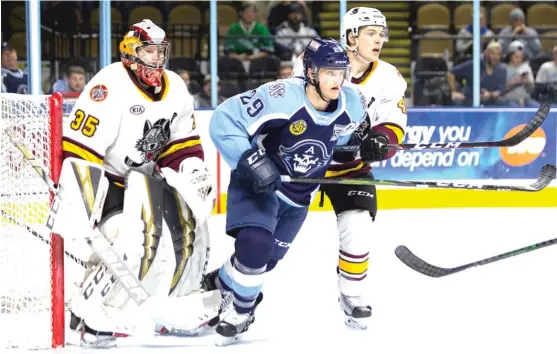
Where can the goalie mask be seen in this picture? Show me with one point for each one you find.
(145, 50)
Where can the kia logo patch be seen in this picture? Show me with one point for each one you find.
(137, 109)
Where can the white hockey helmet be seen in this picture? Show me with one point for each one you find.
(359, 17)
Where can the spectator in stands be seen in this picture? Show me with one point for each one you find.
(546, 79)
(493, 77)
(203, 98)
(464, 43)
(519, 31)
(185, 75)
(520, 79)
(292, 35)
(74, 80)
(285, 71)
(14, 80)
(192, 85)
(239, 44)
(279, 13)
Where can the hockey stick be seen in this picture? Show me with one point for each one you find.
(420, 266)
(43, 238)
(546, 176)
(530, 128)
(112, 260)
(35, 163)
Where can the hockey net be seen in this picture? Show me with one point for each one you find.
(32, 272)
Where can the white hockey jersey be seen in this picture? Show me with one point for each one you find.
(119, 124)
(384, 89)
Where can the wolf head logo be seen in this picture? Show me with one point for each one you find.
(155, 137)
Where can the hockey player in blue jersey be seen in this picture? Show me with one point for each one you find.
(286, 127)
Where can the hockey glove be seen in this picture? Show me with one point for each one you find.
(255, 164)
(373, 148)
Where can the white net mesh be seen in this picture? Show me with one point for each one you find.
(25, 276)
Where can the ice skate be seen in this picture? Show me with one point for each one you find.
(84, 336)
(233, 326)
(209, 284)
(356, 311)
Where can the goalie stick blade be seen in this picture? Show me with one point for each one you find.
(411, 260)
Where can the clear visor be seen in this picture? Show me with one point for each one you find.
(386, 34)
(333, 76)
(154, 55)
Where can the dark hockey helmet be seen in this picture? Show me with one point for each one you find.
(324, 53)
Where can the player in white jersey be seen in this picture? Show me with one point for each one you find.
(363, 32)
(136, 118)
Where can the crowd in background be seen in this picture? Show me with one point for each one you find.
(267, 36)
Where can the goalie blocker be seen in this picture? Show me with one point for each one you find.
(151, 228)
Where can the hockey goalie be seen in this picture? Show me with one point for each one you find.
(133, 170)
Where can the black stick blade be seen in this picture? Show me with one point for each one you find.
(416, 263)
(530, 128)
(547, 175)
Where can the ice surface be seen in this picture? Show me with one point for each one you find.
(504, 307)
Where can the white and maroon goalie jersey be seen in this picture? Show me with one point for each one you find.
(384, 88)
(118, 123)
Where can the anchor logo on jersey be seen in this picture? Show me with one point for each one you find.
(304, 157)
(155, 137)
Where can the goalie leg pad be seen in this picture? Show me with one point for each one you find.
(90, 305)
(78, 204)
(353, 227)
(190, 242)
(139, 232)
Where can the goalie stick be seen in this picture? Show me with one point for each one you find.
(420, 266)
(43, 238)
(546, 176)
(112, 260)
(525, 132)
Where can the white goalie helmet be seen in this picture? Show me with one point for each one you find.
(359, 17)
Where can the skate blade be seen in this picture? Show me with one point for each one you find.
(87, 340)
(355, 323)
(225, 341)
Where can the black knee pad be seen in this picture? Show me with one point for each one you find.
(254, 247)
(271, 264)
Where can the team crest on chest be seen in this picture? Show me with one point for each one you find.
(298, 127)
(155, 137)
(304, 157)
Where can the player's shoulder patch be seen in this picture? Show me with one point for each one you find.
(98, 93)
(277, 89)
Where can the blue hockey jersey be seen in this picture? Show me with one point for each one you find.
(279, 118)
(14, 81)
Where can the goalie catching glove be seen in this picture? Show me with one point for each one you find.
(196, 186)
